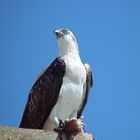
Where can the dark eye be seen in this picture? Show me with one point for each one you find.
(65, 31)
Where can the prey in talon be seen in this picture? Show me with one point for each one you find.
(70, 126)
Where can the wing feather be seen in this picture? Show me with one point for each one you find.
(86, 89)
(43, 95)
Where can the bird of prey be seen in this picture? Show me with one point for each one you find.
(61, 92)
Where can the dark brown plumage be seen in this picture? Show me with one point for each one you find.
(43, 96)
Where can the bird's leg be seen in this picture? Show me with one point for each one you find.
(60, 128)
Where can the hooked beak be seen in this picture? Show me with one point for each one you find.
(58, 33)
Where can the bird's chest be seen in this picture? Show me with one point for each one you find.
(75, 72)
(71, 93)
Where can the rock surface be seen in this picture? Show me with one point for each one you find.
(11, 133)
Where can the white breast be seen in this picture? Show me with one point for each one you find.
(71, 93)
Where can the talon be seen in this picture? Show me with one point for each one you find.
(58, 130)
(71, 126)
(61, 124)
(61, 127)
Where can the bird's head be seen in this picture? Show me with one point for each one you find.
(66, 41)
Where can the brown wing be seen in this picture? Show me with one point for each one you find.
(86, 89)
(43, 96)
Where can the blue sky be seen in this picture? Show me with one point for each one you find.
(108, 34)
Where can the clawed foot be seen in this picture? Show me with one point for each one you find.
(61, 127)
(70, 126)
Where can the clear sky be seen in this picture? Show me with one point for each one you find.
(108, 34)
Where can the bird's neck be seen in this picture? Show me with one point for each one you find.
(70, 50)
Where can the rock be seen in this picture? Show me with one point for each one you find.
(11, 133)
